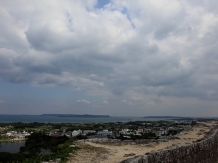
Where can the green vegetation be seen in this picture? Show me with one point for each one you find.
(4, 138)
(28, 127)
(40, 147)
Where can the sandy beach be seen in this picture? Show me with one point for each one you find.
(91, 152)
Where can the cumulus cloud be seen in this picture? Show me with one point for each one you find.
(136, 50)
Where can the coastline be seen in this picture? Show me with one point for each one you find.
(14, 140)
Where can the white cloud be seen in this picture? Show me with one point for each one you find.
(135, 49)
(84, 101)
(105, 102)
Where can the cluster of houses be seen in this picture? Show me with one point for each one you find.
(160, 132)
(2, 129)
(125, 132)
(17, 135)
(76, 133)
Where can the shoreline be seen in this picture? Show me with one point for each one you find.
(12, 140)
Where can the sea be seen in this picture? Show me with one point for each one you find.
(56, 119)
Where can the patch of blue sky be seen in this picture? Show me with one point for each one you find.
(133, 25)
(125, 12)
(102, 3)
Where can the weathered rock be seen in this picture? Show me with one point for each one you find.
(137, 159)
(128, 155)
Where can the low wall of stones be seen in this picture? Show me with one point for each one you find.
(204, 151)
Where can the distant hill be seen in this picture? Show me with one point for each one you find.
(174, 117)
(163, 117)
(77, 115)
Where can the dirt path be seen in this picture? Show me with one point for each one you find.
(114, 152)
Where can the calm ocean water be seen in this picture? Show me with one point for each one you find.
(53, 119)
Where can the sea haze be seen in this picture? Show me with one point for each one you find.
(69, 119)
(59, 119)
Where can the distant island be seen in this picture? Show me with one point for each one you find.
(171, 117)
(180, 118)
(77, 115)
(163, 117)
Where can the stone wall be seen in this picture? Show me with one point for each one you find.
(204, 151)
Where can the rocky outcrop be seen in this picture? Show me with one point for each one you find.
(204, 151)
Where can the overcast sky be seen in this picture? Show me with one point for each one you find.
(115, 57)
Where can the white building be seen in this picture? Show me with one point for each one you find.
(76, 133)
(104, 133)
